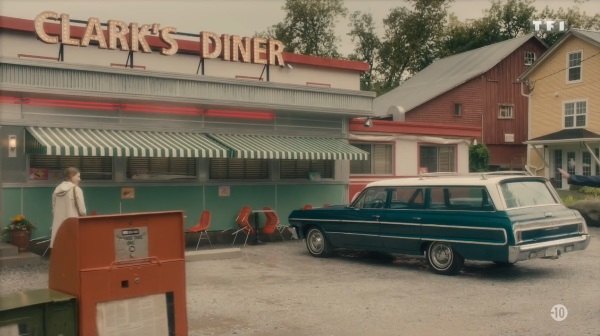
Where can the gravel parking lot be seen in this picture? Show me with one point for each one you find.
(278, 289)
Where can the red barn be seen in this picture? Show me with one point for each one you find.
(476, 88)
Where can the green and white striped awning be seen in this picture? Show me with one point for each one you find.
(289, 147)
(99, 142)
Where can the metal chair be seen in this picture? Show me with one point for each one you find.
(202, 228)
(243, 222)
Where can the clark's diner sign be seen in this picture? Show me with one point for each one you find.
(132, 37)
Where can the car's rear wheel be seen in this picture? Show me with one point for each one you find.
(443, 259)
(317, 244)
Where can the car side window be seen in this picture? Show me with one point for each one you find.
(407, 198)
(471, 198)
(372, 198)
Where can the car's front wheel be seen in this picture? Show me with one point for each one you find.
(317, 244)
(443, 259)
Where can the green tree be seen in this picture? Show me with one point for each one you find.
(308, 27)
(411, 41)
(366, 45)
(574, 18)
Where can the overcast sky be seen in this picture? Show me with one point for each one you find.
(240, 17)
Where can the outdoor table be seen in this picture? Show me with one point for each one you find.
(257, 224)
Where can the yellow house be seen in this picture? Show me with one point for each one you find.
(563, 87)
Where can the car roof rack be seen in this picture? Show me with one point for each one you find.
(438, 174)
(504, 172)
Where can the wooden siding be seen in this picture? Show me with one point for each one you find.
(512, 157)
(551, 89)
(481, 98)
(440, 110)
(502, 88)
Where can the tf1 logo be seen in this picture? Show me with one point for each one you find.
(549, 25)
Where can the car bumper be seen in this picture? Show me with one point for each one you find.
(549, 249)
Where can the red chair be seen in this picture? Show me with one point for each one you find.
(273, 223)
(243, 222)
(202, 228)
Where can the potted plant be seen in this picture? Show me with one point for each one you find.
(19, 232)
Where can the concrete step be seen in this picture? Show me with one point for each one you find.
(8, 250)
(23, 258)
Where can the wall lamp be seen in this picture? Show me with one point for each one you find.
(12, 146)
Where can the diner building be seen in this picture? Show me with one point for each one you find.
(162, 120)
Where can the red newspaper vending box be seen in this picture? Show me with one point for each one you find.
(127, 272)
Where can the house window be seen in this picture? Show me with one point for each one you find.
(575, 114)
(51, 167)
(557, 164)
(304, 169)
(239, 169)
(529, 57)
(505, 112)
(574, 66)
(586, 163)
(434, 159)
(380, 160)
(159, 168)
(457, 109)
(571, 163)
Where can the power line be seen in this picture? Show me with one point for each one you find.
(563, 69)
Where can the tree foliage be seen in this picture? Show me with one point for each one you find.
(411, 40)
(574, 18)
(308, 27)
(366, 44)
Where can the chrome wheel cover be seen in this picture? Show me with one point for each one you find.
(315, 241)
(441, 256)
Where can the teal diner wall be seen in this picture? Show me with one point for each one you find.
(36, 202)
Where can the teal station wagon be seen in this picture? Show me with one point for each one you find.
(490, 217)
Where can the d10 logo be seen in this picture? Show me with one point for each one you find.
(549, 25)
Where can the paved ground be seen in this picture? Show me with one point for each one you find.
(278, 289)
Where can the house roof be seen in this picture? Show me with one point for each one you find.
(592, 37)
(566, 135)
(446, 74)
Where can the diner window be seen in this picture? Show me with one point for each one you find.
(575, 114)
(437, 158)
(529, 57)
(239, 169)
(158, 168)
(505, 112)
(306, 169)
(380, 161)
(51, 167)
(460, 198)
(457, 109)
(574, 66)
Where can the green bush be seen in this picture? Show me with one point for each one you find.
(479, 157)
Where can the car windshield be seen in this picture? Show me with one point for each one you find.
(526, 193)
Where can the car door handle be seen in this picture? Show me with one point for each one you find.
(376, 217)
(416, 218)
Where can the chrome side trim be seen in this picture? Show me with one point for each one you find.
(468, 242)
